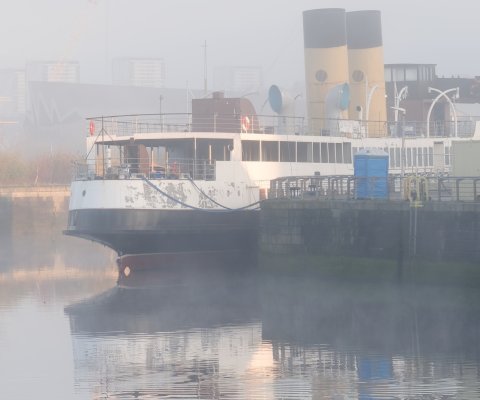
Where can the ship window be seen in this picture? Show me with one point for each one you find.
(338, 153)
(304, 152)
(388, 74)
(430, 73)
(425, 157)
(411, 74)
(347, 153)
(397, 157)
(269, 151)
(324, 153)
(213, 149)
(316, 152)
(287, 152)
(331, 153)
(420, 157)
(399, 74)
(409, 157)
(250, 150)
(392, 158)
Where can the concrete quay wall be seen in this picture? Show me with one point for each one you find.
(33, 209)
(443, 232)
(394, 230)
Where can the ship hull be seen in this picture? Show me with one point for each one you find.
(132, 267)
(137, 232)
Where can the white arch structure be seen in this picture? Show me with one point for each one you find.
(443, 94)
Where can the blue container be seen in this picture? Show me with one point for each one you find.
(370, 168)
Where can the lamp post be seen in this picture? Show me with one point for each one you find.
(398, 98)
(444, 94)
(402, 152)
(368, 100)
(161, 113)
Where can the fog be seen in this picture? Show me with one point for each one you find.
(267, 34)
(72, 326)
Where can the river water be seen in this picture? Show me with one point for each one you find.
(68, 330)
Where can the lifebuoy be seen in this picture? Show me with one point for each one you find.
(245, 123)
(91, 128)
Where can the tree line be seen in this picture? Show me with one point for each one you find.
(44, 169)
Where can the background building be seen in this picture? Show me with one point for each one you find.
(238, 79)
(53, 71)
(12, 92)
(143, 72)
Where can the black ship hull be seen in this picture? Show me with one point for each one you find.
(147, 233)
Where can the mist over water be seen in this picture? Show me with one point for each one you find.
(70, 328)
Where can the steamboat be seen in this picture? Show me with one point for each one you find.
(164, 186)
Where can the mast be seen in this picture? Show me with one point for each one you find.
(205, 86)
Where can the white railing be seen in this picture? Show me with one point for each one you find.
(134, 168)
(127, 125)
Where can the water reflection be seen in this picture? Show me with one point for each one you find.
(33, 250)
(374, 342)
(185, 332)
(168, 299)
(213, 333)
(223, 331)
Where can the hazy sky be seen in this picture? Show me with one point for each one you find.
(266, 33)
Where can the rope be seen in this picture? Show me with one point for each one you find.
(207, 196)
(226, 209)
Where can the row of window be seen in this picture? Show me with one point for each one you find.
(342, 153)
(413, 156)
(409, 73)
(255, 150)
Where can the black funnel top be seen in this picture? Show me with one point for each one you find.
(324, 28)
(364, 29)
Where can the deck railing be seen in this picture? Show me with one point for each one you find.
(394, 188)
(129, 125)
(135, 168)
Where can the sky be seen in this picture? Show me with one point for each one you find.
(265, 33)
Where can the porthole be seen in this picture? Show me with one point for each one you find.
(358, 75)
(321, 75)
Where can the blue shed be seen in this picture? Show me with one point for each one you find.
(370, 168)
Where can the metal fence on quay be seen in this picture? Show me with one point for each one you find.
(393, 188)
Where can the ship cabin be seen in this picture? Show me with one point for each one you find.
(224, 130)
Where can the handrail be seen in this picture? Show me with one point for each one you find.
(113, 168)
(130, 124)
(414, 188)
